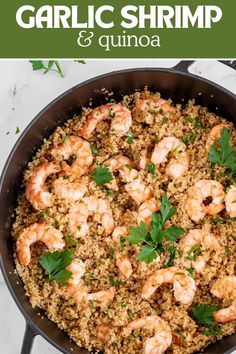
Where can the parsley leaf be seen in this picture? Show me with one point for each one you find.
(130, 137)
(151, 242)
(17, 130)
(147, 254)
(225, 156)
(174, 233)
(211, 330)
(166, 210)
(151, 168)
(51, 65)
(55, 264)
(102, 175)
(203, 314)
(137, 234)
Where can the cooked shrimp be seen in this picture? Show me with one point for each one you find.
(124, 265)
(225, 288)
(81, 152)
(77, 268)
(47, 234)
(230, 202)
(195, 237)
(102, 332)
(146, 210)
(198, 193)
(35, 191)
(124, 166)
(102, 297)
(162, 338)
(179, 163)
(80, 295)
(122, 262)
(215, 135)
(80, 211)
(119, 231)
(138, 191)
(120, 116)
(69, 190)
(184, 285)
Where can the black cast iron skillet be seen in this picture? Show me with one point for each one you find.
(175, 83)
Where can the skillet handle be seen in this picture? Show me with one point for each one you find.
(28, 340)
(184, 65)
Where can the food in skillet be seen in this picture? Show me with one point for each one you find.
(125, 233)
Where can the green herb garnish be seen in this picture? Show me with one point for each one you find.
(80, 61)
(151, 168)
(194, 252)
(115, 282)
(94, 149)
(55, 264)
(52, 65)
(102, 175)
(44, 214)
(70, 240)
(188, 139)
(203, 315)
(17, 130)
(225, 155)
(151, 241)
(130, 137)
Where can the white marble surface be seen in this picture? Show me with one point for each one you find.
(23, 93)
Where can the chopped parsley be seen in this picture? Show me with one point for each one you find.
(198, 125)
(17, 130)
(194, 252)
(188, 139)
(151, 168)
(67, 137)
(191, 271)
(151, 242)
(44, 214)
(55, 264)
(70, 240)
(102, 175)
(130, 137)
(94, 149)
(115, 282)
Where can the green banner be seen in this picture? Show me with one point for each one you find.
(118, 29)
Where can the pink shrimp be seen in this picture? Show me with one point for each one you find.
(47, 234)
(199, 192)
(225, 288)
(80, 211)
(120, 116)
(77, 268)
(177, 165)
(122, 262)
(162, 338)
(230, 202)
(35, 191)
(215, 135)
(146, 210)
(81, 152)
(80, 296)
(206, 240)
(184, 285)
(124, 166)
(138, 191)
(69, 190)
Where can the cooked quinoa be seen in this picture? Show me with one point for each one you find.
(191, 124)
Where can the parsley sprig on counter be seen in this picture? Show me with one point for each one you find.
(203, 315)
(225, 155)
(55, 264)
(51, 65)
(151, 241)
